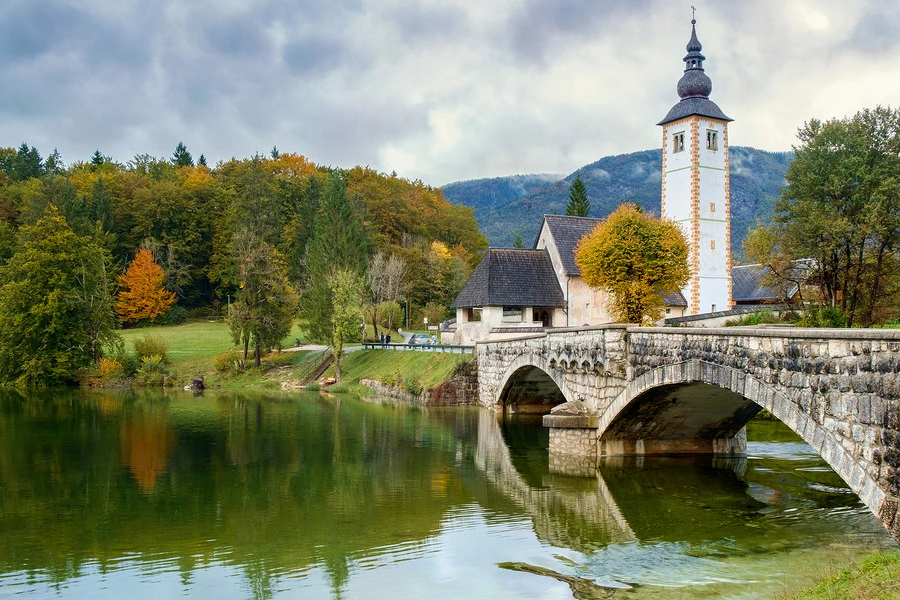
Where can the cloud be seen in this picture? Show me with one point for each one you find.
(436, 90)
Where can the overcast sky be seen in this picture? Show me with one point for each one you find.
(437, 90)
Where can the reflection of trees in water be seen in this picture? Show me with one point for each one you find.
(145, 439)
(282, 486)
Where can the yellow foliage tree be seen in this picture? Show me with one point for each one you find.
(141, 291)
(636, 257)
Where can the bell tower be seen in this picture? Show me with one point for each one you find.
(696, 190)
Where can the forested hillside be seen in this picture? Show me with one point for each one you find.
(505, 207)
(266, 233)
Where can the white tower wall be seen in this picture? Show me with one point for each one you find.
(696, 195)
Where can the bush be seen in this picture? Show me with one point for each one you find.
(757, 318)
(229, 362)
(822, 316)
(110, 369)
(151, 371)
(108, 372)
(176, 316)
(339, 388)
(151, 346)
(313, 386)
(394, 379)
(413, 385)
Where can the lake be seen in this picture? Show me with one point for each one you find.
(254, 495)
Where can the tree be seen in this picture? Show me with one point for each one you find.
(384, 280)
(141, 291)
(98, 160)
(181, 157)
(517, 241)
(346, 300)
(637, 258)
(340, 240)
(841, 210)
(266, 303)
(55, 305)
(579, 205)
(201, 162)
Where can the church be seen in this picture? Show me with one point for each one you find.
(518, 291)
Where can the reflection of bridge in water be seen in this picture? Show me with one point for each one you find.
(699, 500)
(567, 512)
(620, 390)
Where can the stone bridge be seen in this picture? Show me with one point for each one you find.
(619, 390)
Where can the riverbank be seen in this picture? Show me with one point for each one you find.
(206, 349)
(877, 577)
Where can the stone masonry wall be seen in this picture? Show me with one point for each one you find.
(459, 390)
(839, 389)
(585, 362)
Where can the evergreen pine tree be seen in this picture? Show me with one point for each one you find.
(340, 240)
(181, 157)
(579, 205)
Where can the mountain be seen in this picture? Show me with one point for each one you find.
(491, 197)
(506, 206)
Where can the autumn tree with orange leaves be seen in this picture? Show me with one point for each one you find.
(141, 291)
(636, 257)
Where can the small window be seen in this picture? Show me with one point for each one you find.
(713, 308)
(712, 244)
(678, 142)
(712, 140)
(712, 207)
(668, 311)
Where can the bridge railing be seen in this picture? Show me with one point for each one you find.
(442, 348)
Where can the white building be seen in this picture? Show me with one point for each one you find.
(696, 190)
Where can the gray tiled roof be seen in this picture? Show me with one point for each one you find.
(695, 106)
(746, 286)
(512, 277)
(675, 299)
(567, 232)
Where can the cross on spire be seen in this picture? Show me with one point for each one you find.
(693, 13)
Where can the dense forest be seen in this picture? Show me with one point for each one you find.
(228, 233)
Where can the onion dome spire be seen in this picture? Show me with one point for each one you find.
(695, 86)
(694, 83)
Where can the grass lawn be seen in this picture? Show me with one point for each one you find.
(876, 578)
(193, 347)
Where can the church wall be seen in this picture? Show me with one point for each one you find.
(545, 241)
(587, 306)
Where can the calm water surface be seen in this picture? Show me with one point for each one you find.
(238, 495)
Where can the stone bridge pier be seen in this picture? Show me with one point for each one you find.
(621, 390)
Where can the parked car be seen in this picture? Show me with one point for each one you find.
(420, 339)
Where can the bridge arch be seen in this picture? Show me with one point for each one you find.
(531, 384)
(740, 396)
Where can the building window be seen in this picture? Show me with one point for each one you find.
(712, 244)
(713, 308)
(712, 207)
(668, 311)
(712, 140)
(678, 142)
